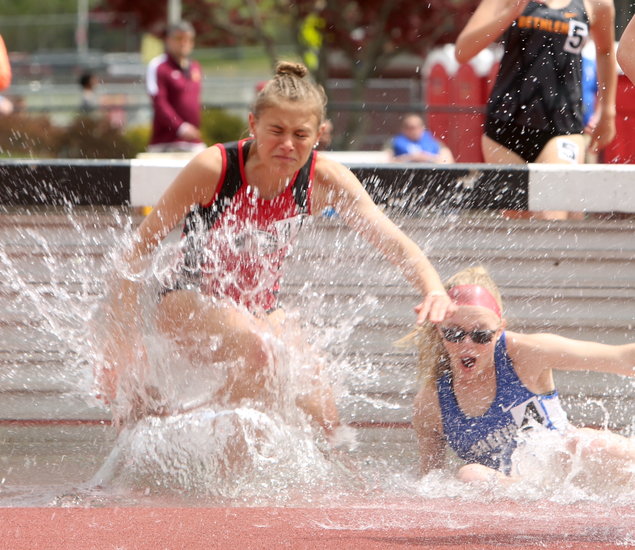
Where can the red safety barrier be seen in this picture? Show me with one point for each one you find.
(438, 96)
(468, 96)
(456, 104)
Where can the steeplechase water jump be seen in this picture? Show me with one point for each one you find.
(269, 357)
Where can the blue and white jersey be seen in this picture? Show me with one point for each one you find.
(490, 439)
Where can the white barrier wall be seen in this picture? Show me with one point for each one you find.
(140, 182)
(589, 188)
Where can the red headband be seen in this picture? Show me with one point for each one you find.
(474, 295)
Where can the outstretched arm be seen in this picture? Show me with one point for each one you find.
(195, 184)
(336, 186)
(490, 20)
(550, 351)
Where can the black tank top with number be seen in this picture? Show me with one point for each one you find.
(539, 80)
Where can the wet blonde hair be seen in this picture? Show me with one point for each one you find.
(292, 83)
(433, 359)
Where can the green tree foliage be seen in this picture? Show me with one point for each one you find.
(219, 126)
(37, 7)
(370, 33)
(216, 22)
(365, 35)
(87, 137)
(150, 14)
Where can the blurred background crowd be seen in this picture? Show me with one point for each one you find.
(78, 87)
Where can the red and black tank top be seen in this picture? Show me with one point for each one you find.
(235, 245)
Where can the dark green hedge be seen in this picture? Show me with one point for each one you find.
(24, 135)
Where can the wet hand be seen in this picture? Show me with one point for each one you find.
(436, 306)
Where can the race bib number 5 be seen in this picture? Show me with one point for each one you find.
(576, 39)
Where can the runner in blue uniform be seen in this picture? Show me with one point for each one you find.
(482, 386)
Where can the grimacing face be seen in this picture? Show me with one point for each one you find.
(285, 135)
(467, 357)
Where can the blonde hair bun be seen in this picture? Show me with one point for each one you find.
(293, 69)
(292, 82)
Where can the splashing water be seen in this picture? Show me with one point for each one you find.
(202, 444)
(255, 453)
(236, 455)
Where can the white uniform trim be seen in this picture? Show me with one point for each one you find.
(152, 83)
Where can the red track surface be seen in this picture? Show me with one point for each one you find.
(435, 524)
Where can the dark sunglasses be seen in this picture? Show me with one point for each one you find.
(456, 335)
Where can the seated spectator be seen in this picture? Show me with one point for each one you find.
(416, 143)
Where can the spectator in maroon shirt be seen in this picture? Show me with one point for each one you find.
(174, 83)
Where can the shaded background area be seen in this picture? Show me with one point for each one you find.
(377, 60)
